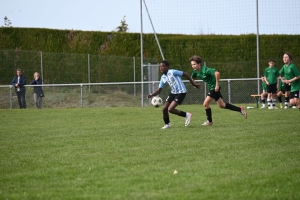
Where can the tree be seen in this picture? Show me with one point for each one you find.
(7, 22)
(123, 28)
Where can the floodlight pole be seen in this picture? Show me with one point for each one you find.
(257, 48)
(162, 55)
(142, 55)
(42, 72)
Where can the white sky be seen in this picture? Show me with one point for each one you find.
(168, 16)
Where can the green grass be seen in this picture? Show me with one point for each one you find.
(121, 153)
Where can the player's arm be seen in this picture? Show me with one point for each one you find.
(267, 82)
(217, 75)
(292, 80)
(190, 79)
(154, 93)
(296, 73)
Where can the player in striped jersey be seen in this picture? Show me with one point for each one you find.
(172, 77)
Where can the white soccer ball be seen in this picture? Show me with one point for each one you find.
(156, 101)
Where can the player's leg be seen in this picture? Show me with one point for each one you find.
(269, 98)
(177, 101)
(232, 107)
(297, 99)
(279, 94)
(287, 89)
(273, 94)
(165, 111)
(208, 112)
(263, 99)
(294, 99)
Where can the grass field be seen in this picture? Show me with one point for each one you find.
(121, 153)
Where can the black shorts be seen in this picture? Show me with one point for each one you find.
(295, 94)
(272, 88)
(287, 87)
(178, 98)
(215, 95)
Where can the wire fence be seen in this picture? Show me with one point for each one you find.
(67, 68)
(118, 94)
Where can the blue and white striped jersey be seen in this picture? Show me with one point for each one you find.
(173, 79)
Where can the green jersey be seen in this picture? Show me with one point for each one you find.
(289, 72)
(264, 86)
(281, 86)
(271, 74)
(207, 75)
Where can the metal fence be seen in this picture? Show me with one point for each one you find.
(65, 68)
(126, 94)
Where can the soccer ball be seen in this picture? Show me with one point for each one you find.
(156, 101)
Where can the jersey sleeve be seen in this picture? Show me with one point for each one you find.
(281, 71)
(295, 71)
(177, 72)
(194, 74)
(265, 73)
(161, 83)
(210, 71)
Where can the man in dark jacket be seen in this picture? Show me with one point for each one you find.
(19, 83)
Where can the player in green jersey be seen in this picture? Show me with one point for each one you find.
(287, 87)
(212, 78)
(291, 77)
(271, 75)
(264, 93)
(280, 92)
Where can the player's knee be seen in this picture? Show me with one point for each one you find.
(206, 105)
(222, 105)
(171, 110)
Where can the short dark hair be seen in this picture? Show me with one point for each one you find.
(195, 58)
(289, 55)
(271, 60)
(165, 62)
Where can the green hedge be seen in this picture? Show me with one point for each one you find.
(235, 56)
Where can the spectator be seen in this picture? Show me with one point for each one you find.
(38, 90)
(19, 82)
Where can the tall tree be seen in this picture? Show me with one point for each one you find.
(123, 28)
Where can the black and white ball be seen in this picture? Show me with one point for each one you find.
(156, 101)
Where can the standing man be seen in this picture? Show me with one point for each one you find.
(172, 78)
(212, 78)
(19, 83)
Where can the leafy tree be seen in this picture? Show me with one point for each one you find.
(7, 22)
(123, 28)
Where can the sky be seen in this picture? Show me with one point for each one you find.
(194, 17)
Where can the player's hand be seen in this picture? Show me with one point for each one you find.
(217, 88)
(197, 86)
(149, 96)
